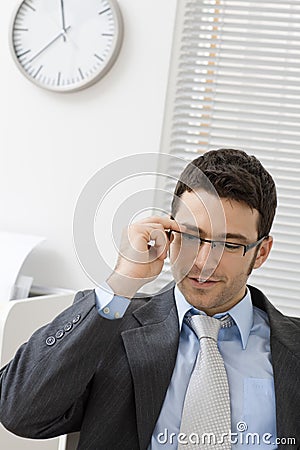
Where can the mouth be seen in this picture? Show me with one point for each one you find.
(201, 283)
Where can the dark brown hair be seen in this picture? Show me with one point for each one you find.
(234, 175)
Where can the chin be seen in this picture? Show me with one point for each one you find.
(197, 297)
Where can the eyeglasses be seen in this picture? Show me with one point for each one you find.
(194, 242)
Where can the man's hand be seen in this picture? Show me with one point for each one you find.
(144, 247)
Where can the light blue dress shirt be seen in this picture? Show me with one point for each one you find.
(245, 348)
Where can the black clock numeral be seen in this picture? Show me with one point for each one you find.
(58, 78)
(98, 57)
(107, 34)
(81, 74)
(21, 29)
(104, 11)
(20, 55)
(29, 6)
(37, 72)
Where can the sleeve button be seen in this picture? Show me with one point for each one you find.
(117, 315)
(106, 310)
(59, 334)
(50, 340)
(68, 326)
(76, 318)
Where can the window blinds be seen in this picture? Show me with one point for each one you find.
(235, 82)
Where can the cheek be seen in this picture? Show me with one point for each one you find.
(235, 268)
(175, 249)
(181, 262)
(173, 252)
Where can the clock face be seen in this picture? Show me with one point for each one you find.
(66, 45)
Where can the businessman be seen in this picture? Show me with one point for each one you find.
(132, 372)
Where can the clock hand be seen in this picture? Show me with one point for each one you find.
(63, 17)
(62, 33)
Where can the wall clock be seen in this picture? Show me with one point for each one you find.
(66, 45)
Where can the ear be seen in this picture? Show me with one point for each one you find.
(263, 252)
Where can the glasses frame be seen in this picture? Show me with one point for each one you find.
(246, 247)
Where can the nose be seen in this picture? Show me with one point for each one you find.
(205, 256)
(203, 253)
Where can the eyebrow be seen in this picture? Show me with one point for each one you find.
(199, 231)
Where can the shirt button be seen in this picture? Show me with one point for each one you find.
(117, 315)
(68, 326)
(106, 310)
(76, 318)
(50, 340)
(59, 334)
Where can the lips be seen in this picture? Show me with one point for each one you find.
(202, 282)
(203, 279)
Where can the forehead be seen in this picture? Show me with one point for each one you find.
(217, 216)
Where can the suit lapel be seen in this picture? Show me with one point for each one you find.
(284, 339)
(151, 350)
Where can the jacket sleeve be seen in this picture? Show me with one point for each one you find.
(45, 387)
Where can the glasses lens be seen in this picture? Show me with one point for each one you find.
(193, 243)
(233, 249)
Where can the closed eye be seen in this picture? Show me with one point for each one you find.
(230, 246)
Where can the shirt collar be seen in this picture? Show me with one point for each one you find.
(242, 313)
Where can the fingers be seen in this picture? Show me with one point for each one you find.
(161, 243)
(156, 230)
(148, 240)
(144, 247)
(158, 222)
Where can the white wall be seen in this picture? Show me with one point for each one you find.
(51, 144)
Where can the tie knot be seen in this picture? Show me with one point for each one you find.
(205, 326)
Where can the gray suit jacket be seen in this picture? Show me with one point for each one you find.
(108, 379)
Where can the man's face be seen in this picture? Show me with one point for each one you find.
(226, 274)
